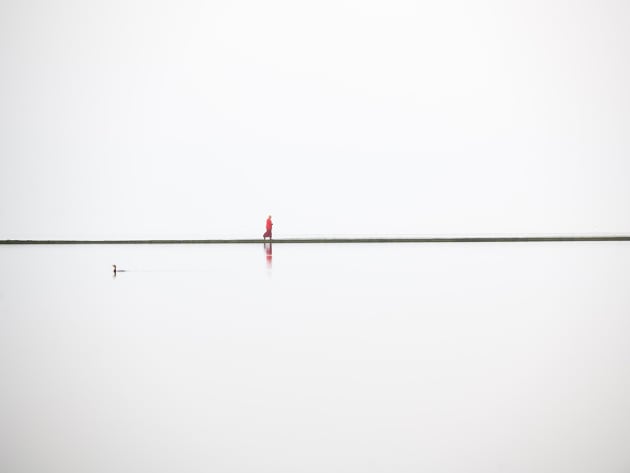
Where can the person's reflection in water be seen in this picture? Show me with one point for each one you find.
(268, 253)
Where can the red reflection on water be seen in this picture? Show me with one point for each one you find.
(268, 254)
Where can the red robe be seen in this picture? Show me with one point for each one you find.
(268, 226)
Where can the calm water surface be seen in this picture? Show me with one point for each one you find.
(336, 358)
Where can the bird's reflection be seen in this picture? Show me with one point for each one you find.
(268, 254)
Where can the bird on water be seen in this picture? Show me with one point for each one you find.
(116, 270)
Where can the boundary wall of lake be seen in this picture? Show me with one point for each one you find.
(318, 240)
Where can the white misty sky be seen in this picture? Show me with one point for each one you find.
(131, 119)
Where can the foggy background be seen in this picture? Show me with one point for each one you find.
(132, 119)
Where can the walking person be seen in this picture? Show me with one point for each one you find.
(268, 226)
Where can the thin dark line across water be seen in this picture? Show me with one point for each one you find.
(511, 239)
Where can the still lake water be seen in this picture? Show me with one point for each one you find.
(317, 358)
